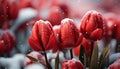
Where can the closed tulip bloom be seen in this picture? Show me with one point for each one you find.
(69, 34)
(42, 36)
(56, 15)
(92, 24)
(7, 41)
(72, 64)
(112, 27)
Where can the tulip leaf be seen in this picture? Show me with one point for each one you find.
(57, 61)
(103, 60)
(35, 60)
(32, 58)
(81, 54)
(94, 57)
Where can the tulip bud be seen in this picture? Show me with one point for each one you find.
(35, 55)
(112, 26)
(91, 21)
(64, 7)
(56, 15)
(72, 64)
(42, 36)
(7, 42)
(70, 36)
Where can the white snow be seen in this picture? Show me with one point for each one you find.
(35, 66)
(23, 16)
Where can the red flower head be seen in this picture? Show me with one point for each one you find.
(35, 55)
(112, 27)
(67, 34)
(63, 6)
(56, 15)
(92, 25)
(70, 36)
(7, 42)
(42, 37)
(72, 64)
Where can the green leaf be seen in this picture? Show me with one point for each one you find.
(32, 58)
(103, 60)
(35, 60)
(57, 61)
(94, 57)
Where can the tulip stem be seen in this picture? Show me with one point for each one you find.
(71, 53)
(48, 65)
(45, 55)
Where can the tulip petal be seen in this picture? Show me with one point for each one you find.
(34, 44)
(79, 39)
(91, 25)
(96, 34)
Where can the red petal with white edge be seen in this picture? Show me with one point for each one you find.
(34, 44)
(96, 34)
(84, 21)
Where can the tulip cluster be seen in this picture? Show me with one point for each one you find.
(66, 36)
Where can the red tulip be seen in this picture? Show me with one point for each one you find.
(67, 35)
(112, 27)
(35, 55)
(56, 15)
(72, 64)
(7, 42)
(70, 36)
(64, 7)
(42, 37)
(91, 21)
